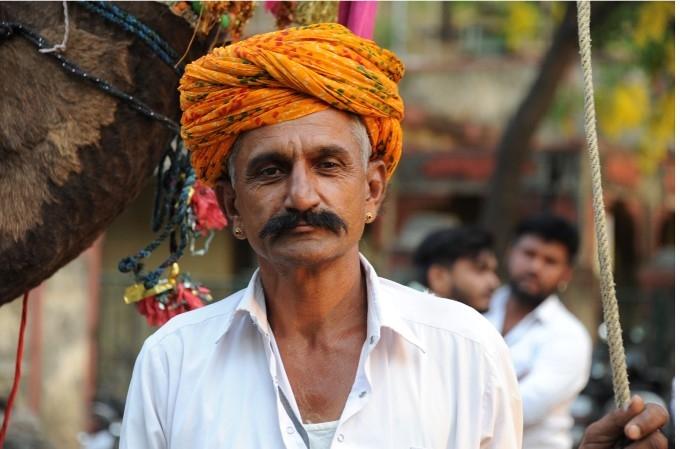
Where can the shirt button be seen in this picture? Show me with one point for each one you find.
(372, 339)
(341, 438)
(362, 394)
(290, 430)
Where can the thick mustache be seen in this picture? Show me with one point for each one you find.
(290, 219)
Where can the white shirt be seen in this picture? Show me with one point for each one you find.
(431, 374)
(321, 434)
(551, 353)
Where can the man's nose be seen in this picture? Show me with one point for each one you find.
(302, 192)
(535, 266)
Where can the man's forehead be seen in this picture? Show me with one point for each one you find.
(536, 241)
(485, 256)
(326, 129)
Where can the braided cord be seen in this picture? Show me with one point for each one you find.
(7, 29)
(171, 214)
(131, 24)
(617, 355)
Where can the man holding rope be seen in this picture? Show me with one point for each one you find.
(299, 132)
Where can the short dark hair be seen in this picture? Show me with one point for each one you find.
(446, 246)
(551, 228)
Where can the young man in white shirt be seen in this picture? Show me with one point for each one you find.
(550, 348)
(459, 264)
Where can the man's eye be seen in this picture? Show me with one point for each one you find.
(326, 165)
(270, 171)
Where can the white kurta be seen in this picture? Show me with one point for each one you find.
(551, 353)
(432, 374)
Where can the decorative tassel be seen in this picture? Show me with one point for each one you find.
(209, 216)
(170, 297)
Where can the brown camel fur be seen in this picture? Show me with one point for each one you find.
(71, 156)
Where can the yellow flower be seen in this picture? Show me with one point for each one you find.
(627, 107)
(659, 135)
(522, 23)
(651, 26)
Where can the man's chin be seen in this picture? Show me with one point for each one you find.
(526, 297)
(303, 251)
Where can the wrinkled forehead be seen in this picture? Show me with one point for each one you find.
(329, 129)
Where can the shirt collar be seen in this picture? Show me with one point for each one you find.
(544, 312)
(547, 309)
(381, 312)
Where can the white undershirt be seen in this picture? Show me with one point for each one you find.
(321, 434)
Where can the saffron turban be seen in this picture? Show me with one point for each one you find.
(285, 75)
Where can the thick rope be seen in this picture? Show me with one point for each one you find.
(617, 355)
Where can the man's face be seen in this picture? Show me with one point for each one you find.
(302, 189)
(536, 268)
(470, 280)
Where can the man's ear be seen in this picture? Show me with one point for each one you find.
(226, 197)
(376, 179)
(566, 275)
(437, 278)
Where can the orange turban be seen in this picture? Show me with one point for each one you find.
(286, 75)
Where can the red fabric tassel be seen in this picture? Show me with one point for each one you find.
(208, 214)
(181, 300)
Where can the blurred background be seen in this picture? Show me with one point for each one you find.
(493, 132)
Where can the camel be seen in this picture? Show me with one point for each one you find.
(71, 156)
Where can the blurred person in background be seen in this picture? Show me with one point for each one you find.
(550, 348)
(459, 264)
(102, 426)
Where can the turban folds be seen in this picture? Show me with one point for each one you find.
(286, 75)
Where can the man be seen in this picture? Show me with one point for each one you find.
(458, 263)
(550, 348)
(317, 351)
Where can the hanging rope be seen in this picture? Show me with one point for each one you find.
(617, 355)
(64, 40)
(17, 372)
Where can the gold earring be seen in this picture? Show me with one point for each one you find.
(238, 232)
(369, 217)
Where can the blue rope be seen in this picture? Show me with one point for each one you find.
(170, 213)
(7, 29)
(130, 23)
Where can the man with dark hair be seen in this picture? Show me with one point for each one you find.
(458, 264)
(550, 348)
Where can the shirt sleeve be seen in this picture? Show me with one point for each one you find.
(502, 407)
(143, 423)
(559, 371)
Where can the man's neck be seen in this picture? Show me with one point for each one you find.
(515, 311)
(317, 304)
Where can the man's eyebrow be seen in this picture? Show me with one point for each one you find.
(330, 151)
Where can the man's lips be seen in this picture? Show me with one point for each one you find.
(303, 227)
